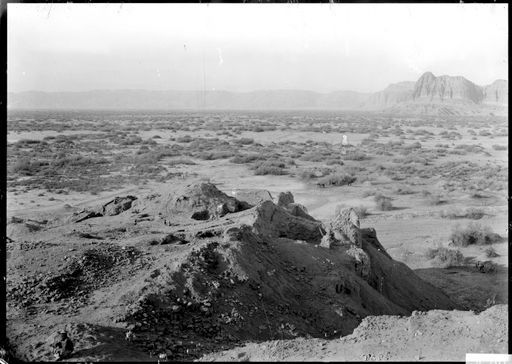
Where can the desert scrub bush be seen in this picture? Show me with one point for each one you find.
(499, 147)
(27, 167)
(477, 193)
(131, 141)
(368, 193)
(245, 158)
(403, 190)
(29, 142)
(270, 167)
(355, 156)
(444, 257)
(383, 203)
(149, 142)
(175, 162)
(312, 157)
(473, 234)
(415, 145)
(435, 199)
(310, 173)
(244, 141)
(215, 155)
(184, 139)
(332, 161)
(490, 252)
(336, 180)
(470, 213)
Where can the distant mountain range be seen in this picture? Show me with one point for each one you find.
(428, 95)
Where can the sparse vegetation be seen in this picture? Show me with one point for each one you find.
(435, 199)
(336, 180)
(444, 257)
(383, 203)
(469, 213)
(473, 234)
(490, 252)
(499, 147)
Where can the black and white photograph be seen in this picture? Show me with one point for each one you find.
(256, 182)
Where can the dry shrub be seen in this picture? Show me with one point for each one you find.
(435, 199)
(336, 180)
(499, 147)
(473, 234)
(383, 203)
(490, 252)
(444, 257)
(470, 213)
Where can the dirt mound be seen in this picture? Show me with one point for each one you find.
(198, 201)
(266, 277)
(254, 274)
(422, 336)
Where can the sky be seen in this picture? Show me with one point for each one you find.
(246, 47)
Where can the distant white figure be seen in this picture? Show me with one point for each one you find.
(344, 143)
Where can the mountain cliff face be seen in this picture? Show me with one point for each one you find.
(430, 88)
(446, 95)
(496, 93)
(442, 95)
(391, 95)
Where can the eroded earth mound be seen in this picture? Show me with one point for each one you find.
(190, 270)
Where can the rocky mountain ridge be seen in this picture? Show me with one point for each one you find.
(430, 94)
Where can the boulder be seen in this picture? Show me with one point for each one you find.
(202, 201)
(285, 198)
(361, 261)
(117, 205)
(276, 221)
(61, 345)
(84, 215)
(297, 209)
(252, 197)
(345, 227)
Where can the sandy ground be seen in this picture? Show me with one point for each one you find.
(433, 336)
(406, 232)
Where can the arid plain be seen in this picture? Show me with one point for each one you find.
(434, 188)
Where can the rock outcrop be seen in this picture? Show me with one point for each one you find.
(197, 201)
(496, 93)
(255, 273)
(252, 197)
(432, 89)
(117, 205)
(443, 95)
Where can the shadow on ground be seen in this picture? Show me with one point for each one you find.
(468, 287)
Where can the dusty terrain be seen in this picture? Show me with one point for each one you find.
(168, 272)
(430, 336)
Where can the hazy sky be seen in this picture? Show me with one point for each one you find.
(244, 47)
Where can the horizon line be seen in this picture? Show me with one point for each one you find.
(239, 92)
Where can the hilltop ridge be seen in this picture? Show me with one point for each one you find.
(430, 94)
